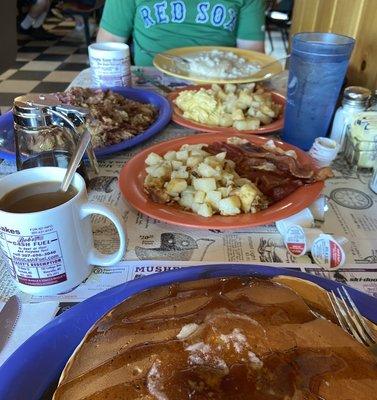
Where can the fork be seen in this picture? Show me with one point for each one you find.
(351, 320)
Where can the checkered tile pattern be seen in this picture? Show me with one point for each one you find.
(44, 66)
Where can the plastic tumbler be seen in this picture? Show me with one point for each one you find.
(318, 65)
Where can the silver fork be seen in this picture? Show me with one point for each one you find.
(351, 320)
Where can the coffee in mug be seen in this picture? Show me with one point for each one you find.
(46, 236)
(36, 197)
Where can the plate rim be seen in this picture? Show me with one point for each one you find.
(137, 198)
(237, 50)
(90, 310)
(187, 123)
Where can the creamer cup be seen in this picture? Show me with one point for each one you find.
(319, 208)
(324, 151)
(328, 253)
(304, 218)
(299, 240)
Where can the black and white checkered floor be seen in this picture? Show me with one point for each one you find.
(44, 66)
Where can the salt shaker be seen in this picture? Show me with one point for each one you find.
(355, 100)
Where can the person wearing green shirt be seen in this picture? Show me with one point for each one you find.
(157, 25)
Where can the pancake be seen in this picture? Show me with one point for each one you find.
(227, 338)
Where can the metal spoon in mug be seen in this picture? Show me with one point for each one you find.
(75, 160)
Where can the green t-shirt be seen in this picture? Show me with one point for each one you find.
(161, 25)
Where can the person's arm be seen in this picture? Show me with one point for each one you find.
(105, 36)
(117, 21)
(250, 32)
(256, 45)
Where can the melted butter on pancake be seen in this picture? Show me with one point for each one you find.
(236, 338)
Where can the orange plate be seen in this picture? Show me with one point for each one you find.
(133, 174)
(178, 117)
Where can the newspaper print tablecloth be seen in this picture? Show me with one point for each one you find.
(352, 213)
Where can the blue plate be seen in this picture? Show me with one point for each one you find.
(7, 150)
(37, 364)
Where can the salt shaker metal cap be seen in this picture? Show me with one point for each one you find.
(356, 95)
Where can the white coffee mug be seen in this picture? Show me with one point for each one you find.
(110, 64)
(50, 252)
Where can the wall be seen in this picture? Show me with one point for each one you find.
(356, 18)
(8, 33)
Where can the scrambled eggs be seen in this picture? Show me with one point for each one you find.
(243, 107)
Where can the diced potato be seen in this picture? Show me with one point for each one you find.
(206, 171)
(198, 152)
(238, 115)
(176, 186)
(230, 206)
(192, 161)
(249, 124)
(170, 156)
(153, 159)
(265, 119)
(199, 196)
(221, 156)
(160, 171)
(227, 178)
(215, 87)
(242, 181)
(229, 165)
(205, 210)
(192, 147)
(153, 182)
(195, 207)
(189, 189)
(230, 88)
(204, 184)
(182, 155)
(213, 199)
(247, 194)
(267, 110)
(225, 191)
(226, 120)
(176, 164)
(186, 199)
(221, 95)
(245, 98)
(180, 174)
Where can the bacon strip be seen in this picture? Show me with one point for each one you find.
(255, 162)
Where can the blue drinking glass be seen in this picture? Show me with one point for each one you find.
(317, 68)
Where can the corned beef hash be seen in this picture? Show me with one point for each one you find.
(113, 118)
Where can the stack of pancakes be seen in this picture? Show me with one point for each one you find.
(228, 338)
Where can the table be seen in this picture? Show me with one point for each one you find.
(352, 213)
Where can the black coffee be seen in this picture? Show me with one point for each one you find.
(36, 197)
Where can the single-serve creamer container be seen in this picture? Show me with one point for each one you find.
(51, 251)
(110, 64)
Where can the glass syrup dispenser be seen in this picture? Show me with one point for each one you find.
(47, 132)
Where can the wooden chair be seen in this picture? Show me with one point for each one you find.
(73, 8)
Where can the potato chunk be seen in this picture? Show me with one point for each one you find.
(204, 184)
(230, 206)
(153, 159)
(176, 186)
